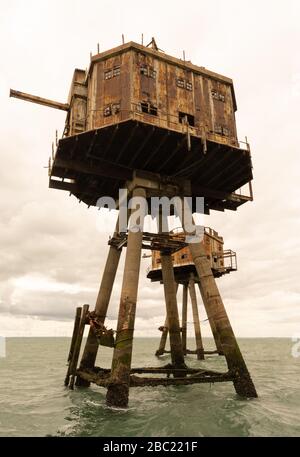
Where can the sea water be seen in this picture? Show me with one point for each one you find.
(34, 401)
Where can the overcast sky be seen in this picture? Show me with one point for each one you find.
(52, 249)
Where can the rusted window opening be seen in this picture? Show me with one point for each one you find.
(144, 70)
(112, 73)
(152, 73)
(149, 108)
(108, 74)
(221, 130)
(217, 95)
(117, 71)
(184, 84)
(107, 111)
(114, 108)
(185, 116)
(147, 71)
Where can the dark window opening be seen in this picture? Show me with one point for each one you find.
(153, 110)
(147, 71)
(115, 108)
(117, 71)
(214, 94)
(145, 107)
(107, 111)
(184, 256)
(184, 117)
(152, 73)
(217, 95)
(148, 108)
(108, 74)
(180, 83)
(189, 85)
(221, 130)
(144, 70)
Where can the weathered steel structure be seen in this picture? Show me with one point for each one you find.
(157, 126)
(221, 261)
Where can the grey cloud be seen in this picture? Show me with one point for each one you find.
(46, 232)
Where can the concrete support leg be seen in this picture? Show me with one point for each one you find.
(164, 335)
(198, 337)
(184, 317)
(118, 389)
(177, 356)
(215, 309)
(102, 302)
(214, 332)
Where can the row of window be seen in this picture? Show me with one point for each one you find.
(221, 130)
(147, 71)
(150, 108)
(113, 108)
(183, 256)
(151, 73)
(184, 84)
(111, 73)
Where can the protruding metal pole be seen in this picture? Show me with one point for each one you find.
(73, 341)
(184, 316)
(214, 306)
(118, 389)
(75, 354)
(91, 347)
(198, 337)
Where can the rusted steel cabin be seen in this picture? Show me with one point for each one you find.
(221, 261)
(137, 108)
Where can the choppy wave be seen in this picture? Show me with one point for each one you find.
(34, 402)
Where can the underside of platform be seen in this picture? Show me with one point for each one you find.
(183, 271)
(93, 164)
